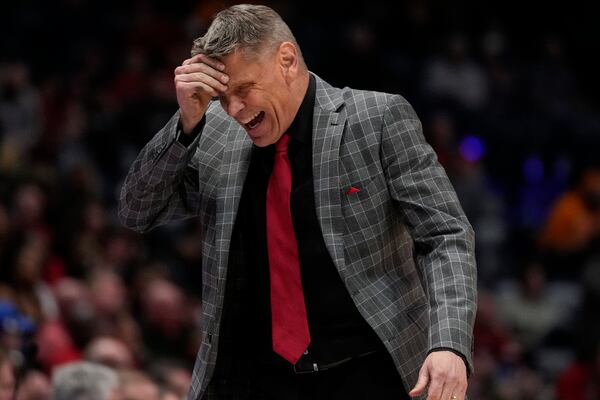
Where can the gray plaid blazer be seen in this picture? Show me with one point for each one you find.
(401, 244)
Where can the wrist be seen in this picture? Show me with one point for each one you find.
(186, 138)
(189, 124)
(187, 127)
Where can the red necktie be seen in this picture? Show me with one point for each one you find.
(288, 311)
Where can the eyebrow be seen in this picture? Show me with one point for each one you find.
(239, 86)
(243, 85)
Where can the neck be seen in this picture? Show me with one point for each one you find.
(299, 88)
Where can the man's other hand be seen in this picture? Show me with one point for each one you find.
(445, 373)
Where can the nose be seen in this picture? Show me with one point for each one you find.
(233, 105)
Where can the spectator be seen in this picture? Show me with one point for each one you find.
(7, 376)
(172, 376)
(167, 322)
(581, 380)
(572, 226)
(19, 112)
(456, 77)
(56, 347)
(138, 386)
(76, 309)
(529, 309)
(493, 336)
(15, 329)
(85, 381)
(109, 351)
(111, 308)
(25, 283)
(34, 385)
(575, 218)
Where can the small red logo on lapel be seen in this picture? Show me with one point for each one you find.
(352, 190)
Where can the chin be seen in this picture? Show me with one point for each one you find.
(264, 139)
(261, 141)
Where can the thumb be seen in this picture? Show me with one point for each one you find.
(421, 382)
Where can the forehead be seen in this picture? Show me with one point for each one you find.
(241, 69)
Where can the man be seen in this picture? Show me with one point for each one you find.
(85, 381)
(337, 262)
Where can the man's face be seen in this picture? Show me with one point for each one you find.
(258, 96)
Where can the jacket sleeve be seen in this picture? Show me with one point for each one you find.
(162, 183)
(444, 240)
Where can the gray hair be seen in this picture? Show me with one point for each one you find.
(83, 381)
(250, 28)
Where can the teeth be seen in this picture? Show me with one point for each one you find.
(250, 119)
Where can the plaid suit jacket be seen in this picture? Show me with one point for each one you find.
(401, 244)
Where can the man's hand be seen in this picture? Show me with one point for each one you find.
(446, 375)
(197, 81)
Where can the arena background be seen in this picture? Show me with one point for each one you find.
(508, 93)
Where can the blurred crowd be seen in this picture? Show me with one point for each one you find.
(513, 115)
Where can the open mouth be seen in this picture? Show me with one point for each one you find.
(254, 122)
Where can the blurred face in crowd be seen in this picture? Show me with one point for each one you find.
(29, 203)
(95, 218)
(33, 386)
(108, 293)
(110, 352)
(7, 380)
(264, 95)
(169, 396)
(29, 262)
(165, 307)
(137, 386)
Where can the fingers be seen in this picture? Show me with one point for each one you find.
(446, 388)
(445, 374)
(201, 68)
(201, 74)
(214, 63)
(191, 60)
(197, 86)
(453, 391)
(447, 392)
(436, 387)
(447, 385)
(201, 78)
(422, 382)
(201, 58)
(460, 390)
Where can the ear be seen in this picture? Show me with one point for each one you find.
(288, 60)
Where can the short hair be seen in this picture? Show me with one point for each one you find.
(83, 381)
(249, 28)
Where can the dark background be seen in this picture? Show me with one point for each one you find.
(508, 93)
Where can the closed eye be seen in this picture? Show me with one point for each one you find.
(238, 91)
(243, 89)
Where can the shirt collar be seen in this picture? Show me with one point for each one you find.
(301, 127)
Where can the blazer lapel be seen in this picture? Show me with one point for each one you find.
(328, 125)
(234, 168)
